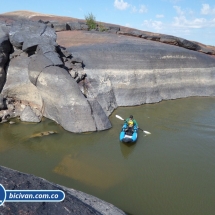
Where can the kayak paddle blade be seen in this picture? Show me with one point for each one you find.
(119, 117)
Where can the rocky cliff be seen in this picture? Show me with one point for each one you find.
(55, 67)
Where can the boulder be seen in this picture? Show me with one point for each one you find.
(59, 26)
(65, 52)
(2, 78)
(76, 60)
(63, 100)
(151, 37)
(134, 33)
(68, 65)
(26, 35)
(17, 73)
(188, 44)
(2, 102)
(45, 48)
(84, 27)
(16, 53)
(207, 50)
(22, 29)
(169, 39)
(5, 49)
(30, 44)
(36, 65)
(73, 26)
(18, 85)
(28, 115)
(5, 46)
(54, 57)
(112, 27)
(101, 120)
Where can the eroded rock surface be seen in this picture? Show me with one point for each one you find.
(42, 76)
(63, 101)
(126, 71)
(75, 202)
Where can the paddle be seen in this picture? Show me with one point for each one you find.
(146, 132)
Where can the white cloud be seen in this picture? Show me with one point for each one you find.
(182, 22)
(186, 24)
(179, 11)
(159, 16)
(121, 5)
(153, 24)
(143, 9)
(134, 9)
(206, 9)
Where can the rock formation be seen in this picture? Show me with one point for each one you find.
(43, 77)
(126, 71)
(59, 69)
(75, 202)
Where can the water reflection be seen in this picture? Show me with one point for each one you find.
(127, 149)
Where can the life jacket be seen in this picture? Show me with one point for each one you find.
(130, 123)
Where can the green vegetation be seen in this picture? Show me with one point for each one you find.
(91, 21)
(101, 27)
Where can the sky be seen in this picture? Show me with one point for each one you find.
(189, 19)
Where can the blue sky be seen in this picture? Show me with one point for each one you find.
(190, 19)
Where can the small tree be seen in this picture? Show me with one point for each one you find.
(91, 21)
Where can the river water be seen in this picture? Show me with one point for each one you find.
(171, 171)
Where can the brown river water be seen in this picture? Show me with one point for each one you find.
(171, 171)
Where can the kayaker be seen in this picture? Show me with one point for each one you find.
(131, 122)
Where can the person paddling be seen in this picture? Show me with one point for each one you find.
(131, 122)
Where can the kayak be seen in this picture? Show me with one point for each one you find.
(128, 137)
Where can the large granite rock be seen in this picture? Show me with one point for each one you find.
(41, 87)
(18, 85)
(2, 103)
(2, 78)
(5, 49)
(75, 202)
(63, 100)
(126, 71)
(36, 65)
(28, 115)
(101, 120)
(27, 35)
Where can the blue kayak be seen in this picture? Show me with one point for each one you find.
(128, 136)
